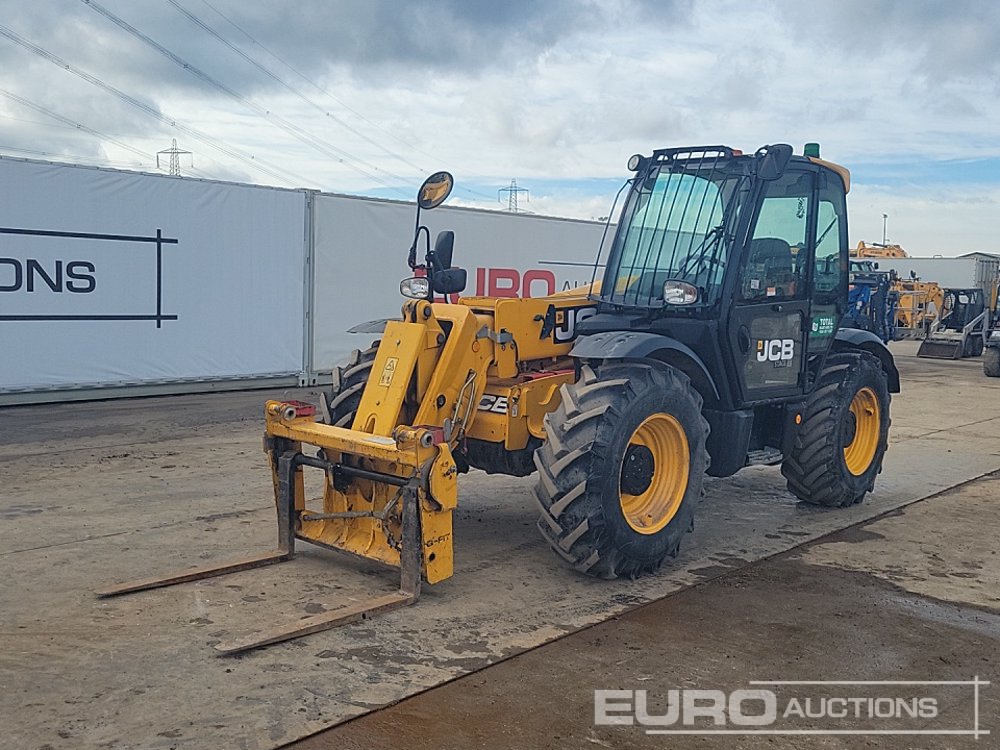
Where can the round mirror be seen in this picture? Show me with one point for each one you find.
(435, 190)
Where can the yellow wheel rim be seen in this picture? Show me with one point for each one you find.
(662, 489)
(860, 451)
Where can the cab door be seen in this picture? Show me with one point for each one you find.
(770, 317)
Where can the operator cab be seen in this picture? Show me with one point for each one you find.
(740, 258)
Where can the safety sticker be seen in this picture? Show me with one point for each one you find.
(388, 371)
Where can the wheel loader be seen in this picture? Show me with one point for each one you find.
(711, 342)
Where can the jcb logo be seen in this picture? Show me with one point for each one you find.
(567, 320)
(775, 350)
(491, 403)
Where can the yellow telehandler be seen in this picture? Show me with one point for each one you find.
(711, 343)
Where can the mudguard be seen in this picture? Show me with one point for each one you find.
(854, 338)
(372, 326)
(640, 345)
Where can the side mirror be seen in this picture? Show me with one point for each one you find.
(450, 281)
(772, 160)
(435, 190)
(444, 248)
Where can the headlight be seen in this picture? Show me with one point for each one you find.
(679, 292)
(415, 288)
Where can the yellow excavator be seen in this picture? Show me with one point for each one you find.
(712, 342)
(878, 250)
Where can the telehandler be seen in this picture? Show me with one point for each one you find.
(712, 342)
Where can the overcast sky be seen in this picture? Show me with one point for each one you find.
(368, 96)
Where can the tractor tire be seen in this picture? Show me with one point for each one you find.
(969, 350)
(340, 404)
(991, 362)
(621, 468)
(493, 458)
(838, 451)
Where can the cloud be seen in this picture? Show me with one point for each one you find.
(959, 39)
(549, 93)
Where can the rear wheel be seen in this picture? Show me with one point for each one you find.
(844, 433)
(621, 468)
(991, 361)
(340, 404)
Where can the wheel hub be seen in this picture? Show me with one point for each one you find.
(850, 428)
(637, 470)
(862, 431)
(654, 473)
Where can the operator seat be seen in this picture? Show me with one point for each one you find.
(771, 264)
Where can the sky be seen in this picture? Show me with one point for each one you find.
(367, 97)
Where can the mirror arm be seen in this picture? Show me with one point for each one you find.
(412, 259)
(428, 253)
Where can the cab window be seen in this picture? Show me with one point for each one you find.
(777, 254)
(831, 238)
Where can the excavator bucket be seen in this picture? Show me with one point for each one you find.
(935, 348)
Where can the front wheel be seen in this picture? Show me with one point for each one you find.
(340, 404)
(621, 468)
(838, 451)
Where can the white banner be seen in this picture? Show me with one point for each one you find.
(113, 278)
(361, 249)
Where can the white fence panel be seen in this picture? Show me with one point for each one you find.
(360, 256)
(114, 278)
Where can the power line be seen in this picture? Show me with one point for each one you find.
(277, 79)
(276, 172)
(68, 123)
(49, 155)
(312, 83)
(327, 93)
(337, 154)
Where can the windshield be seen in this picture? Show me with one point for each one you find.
(678, 223)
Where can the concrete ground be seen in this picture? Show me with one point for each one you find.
(99, 492)
(912, 596)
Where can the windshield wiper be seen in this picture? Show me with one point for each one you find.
(710, 243)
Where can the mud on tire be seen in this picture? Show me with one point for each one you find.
(580, 467)
(816, 468)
